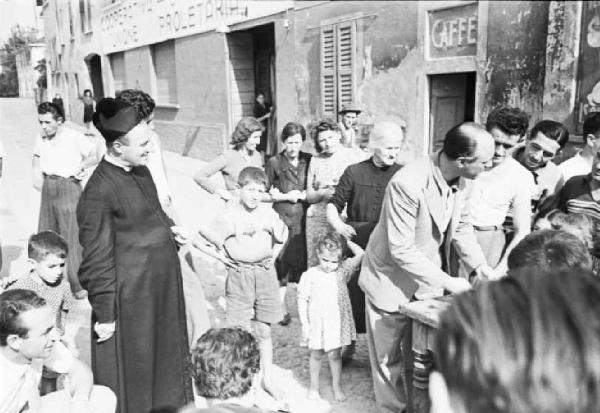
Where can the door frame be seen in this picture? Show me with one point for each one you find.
(450, 65)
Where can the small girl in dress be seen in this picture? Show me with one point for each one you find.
(325, 311)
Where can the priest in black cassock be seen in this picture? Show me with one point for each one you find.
(132, 272)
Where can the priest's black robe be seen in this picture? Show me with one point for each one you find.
(132, 273)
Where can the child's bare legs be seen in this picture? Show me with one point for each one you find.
(265, 344)
(315, 372)
(335, 363)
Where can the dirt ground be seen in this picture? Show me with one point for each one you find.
(292, 360)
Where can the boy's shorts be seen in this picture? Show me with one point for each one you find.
(252, 293)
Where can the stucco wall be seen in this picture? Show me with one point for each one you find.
(516, 56)
(386, 57)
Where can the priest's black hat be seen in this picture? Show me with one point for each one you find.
(114, 118)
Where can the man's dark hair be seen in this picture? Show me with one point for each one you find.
(322, 126)
(552, 130)
(252, 175)
(291, 129)
(550, 249)
(52, 108)
(12, 304)
(511, 121)
(142, 102)
(591, 124)
(461, 141)
(224, 362)
(529, 343)
(44, 243)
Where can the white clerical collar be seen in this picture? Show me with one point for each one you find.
(115, 161)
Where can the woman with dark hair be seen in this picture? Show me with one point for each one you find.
(287, 180)
(244, 140)
(323, 175)
(88, 110)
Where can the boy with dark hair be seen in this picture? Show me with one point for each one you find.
(581, 163)
(248, 236)
(47, 252)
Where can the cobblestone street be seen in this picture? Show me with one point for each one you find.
(19, 204)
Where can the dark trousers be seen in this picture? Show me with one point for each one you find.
(58, 213)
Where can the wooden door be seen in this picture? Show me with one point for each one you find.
(448, 101)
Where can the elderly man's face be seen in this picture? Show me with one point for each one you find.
(41, 333)
(481, 159)
(135, 146)
(386, 152)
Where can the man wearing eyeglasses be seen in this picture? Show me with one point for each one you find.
(507, 186)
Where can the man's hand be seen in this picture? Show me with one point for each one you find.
(345, 230)
(79, 175)
(457, 285)
(181, 237)
(104, 331)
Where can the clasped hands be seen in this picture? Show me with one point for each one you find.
(104, 331)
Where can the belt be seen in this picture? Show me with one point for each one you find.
(58, 177)
(489, 228)
(266, 264)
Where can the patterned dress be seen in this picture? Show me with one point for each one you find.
(325, 170)
(329, 310)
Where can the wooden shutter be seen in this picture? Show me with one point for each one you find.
(117, 64)
(346, 35)
(164, 67)
(328, 72)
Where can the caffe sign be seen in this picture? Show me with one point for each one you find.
(453, 32)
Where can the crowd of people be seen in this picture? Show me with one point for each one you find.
(489, 218)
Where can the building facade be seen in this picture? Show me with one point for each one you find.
(27, 60)
(428, 65)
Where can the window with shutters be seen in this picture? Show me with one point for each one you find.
(117, 65)
(338, 50)
(163, 56)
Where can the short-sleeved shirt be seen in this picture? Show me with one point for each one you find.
(548, 179)
(63, 154)
(19, 382)
(230, 163)
(498, 190)
(58, 297)
(574, 166)
(248, 236)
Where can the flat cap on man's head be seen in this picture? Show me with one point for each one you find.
(349, 107)
(114, 118)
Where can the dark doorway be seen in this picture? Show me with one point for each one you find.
(451, 101)
(95, 70)
(252, 55)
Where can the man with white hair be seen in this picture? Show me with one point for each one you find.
(360, 190)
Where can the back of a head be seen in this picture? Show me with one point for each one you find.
(462, 140)
(550, 249)
(252, 175)
(511, 121)
(44, 243)
(552, 130)
(140, 100)
(224, 362)
(12, 304)
(591, 124)
(528, 344)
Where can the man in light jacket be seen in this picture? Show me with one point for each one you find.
(424, 211)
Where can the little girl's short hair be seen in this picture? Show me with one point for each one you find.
(331, 242)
